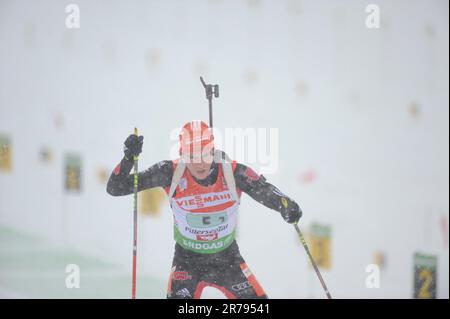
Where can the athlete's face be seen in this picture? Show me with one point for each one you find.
(200, 165)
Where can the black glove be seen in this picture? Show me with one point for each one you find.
(133, 146)
(291, 212)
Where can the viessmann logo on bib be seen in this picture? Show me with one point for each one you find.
(204, 200)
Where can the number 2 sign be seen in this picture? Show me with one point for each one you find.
(425, 276)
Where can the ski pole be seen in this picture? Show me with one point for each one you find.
(135, 184)
(210, 90)
(303, 241)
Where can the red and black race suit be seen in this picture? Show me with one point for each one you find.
(226, 270)
(191, 272)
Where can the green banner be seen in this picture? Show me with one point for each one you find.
(320, 241)
(5, 153)
(425, 273)
(72, 168)
(319, 230)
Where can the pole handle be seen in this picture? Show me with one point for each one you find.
(136, 157)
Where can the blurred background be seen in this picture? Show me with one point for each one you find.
(362, 116)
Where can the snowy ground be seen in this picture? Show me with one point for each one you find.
(34, 268)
